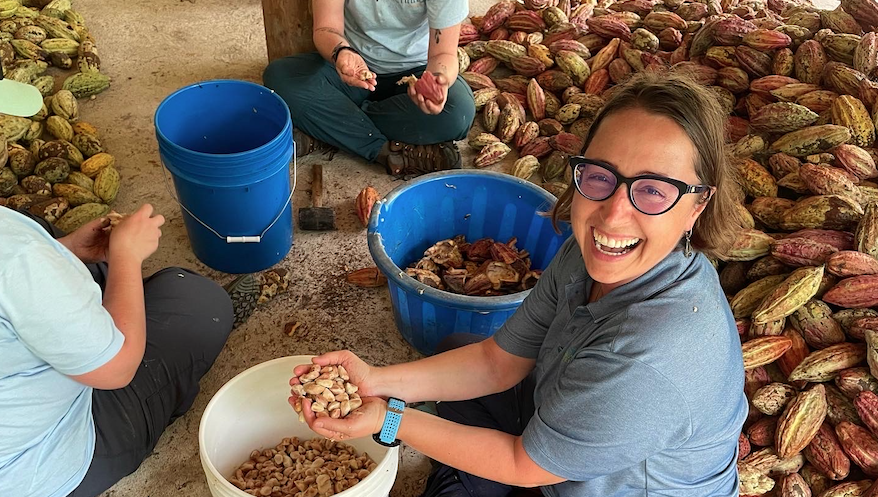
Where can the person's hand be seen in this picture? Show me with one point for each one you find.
(137, 235)
(91, 242)
(360, 373)
(352, 68)
(362, 422)
(429, 106)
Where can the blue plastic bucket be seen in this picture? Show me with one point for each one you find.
(442, 205)
(228, 145)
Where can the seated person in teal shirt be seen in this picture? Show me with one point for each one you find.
(620, 375)
(333, 106)
(95, 361)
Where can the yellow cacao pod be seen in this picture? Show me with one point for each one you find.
(64, 104)
(58, 127)
(94, 164)
(107, 184)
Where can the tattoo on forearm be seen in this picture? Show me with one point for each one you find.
(329, 30)
(438, 32)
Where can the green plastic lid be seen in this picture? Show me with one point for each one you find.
(19, 99)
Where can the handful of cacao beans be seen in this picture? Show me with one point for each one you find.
(331, 393)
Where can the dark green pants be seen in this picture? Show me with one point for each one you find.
(357, 120)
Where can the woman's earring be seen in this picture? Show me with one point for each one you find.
(687, 247)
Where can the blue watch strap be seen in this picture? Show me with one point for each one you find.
(395, 408)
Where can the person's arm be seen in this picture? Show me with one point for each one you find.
(468, 372)
(605, 414)
(329, 35)
(131, 242)
(442, 53)
(442, 63)
(328, 26)
(490, 454)
(123, 299)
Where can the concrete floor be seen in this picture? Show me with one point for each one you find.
(151, 48)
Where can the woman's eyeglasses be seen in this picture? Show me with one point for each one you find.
(650, 194)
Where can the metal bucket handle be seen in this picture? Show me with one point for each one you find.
(238, 239)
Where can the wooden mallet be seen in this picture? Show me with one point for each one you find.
(316, 217)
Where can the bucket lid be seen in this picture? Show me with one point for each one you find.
(18, 99)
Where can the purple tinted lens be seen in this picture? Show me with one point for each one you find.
(654, 196)
(596, 182)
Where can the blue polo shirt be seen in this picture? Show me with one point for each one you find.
(639, 393)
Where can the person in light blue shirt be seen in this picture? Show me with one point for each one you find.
(95, 361)
(620, 375)
(346, 94)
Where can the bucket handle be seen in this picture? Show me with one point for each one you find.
(238, 239)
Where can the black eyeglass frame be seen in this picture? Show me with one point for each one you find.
(681, 186)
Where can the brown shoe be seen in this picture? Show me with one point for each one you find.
(306, 144)
(402, 159)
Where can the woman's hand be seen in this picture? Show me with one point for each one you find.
(428, 106)
(362, 422)
(90, 243)
(137, 235)
(366, 419)
(352, 69)
(360, 374)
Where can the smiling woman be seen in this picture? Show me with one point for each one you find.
(666, 107)
(620, 375)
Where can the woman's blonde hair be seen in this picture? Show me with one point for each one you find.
(695, 108)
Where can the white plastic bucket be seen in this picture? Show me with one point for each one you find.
(251, 412)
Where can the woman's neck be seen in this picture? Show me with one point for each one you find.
(597, 291)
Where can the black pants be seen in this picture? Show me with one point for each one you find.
(359, 121)
(188, 320)
(508, 411)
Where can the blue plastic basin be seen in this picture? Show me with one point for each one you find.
(442, 205)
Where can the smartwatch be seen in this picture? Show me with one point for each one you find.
(338, 50)
(387, 435)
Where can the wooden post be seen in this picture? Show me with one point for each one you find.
(287, 27)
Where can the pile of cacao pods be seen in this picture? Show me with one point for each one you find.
(798, 83)
(53, 164)
(37, 34)
(541, 69)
